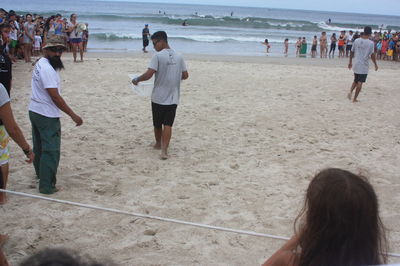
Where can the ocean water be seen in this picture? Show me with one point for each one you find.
(117, 26)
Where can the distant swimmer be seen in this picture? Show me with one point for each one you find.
(232, 14)
(329, 21)
(145, 37)
(267, 45)
(286, 44)
(184, 23)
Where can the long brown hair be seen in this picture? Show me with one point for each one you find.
(339, 223)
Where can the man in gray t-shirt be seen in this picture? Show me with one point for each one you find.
(169, 69)
(361, 51)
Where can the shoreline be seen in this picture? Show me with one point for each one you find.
(266, 59)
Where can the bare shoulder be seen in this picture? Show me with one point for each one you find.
(284, 258)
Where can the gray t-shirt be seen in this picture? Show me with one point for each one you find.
(362, 48)
(29, 29)
(4, 98)
(169, 67)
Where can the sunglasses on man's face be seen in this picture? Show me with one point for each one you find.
(155, 43)
(56, 49)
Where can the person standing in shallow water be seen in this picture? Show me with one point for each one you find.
(145, 37)
(323, 44)
(267, 46)
(298, 46)
(286, 46)
(303, 48)
(170, 69)
(333, 45)
(362, 50)
(314, 47)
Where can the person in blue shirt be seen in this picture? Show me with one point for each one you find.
(390, 50)
(58, 25)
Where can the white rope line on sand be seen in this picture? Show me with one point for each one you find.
(243, 232)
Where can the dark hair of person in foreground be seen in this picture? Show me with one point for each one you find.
(338, 225)
(61, 257)
(159, 35)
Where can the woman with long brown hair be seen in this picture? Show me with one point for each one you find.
(339, 224)
(49, 30)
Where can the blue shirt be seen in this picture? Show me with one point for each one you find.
(391, 45)
(57, 28)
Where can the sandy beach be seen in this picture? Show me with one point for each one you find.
(249, 135)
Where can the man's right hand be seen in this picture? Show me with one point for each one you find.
(77, 119)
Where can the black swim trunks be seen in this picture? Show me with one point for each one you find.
(360, 77)
(145, 42)
(163, 114)
(314, 47)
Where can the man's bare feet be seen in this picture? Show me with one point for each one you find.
(349, 96)
(157, 146)
(3, 239)
(355, 101)
(164, 155)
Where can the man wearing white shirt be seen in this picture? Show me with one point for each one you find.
(45, 111)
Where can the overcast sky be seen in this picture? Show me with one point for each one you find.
(383, 7)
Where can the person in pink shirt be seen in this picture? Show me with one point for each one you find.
(385, 45)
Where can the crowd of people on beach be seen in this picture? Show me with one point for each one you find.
(386, 45)
(27, 34)
(328, 233)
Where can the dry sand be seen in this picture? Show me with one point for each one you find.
(249, 135)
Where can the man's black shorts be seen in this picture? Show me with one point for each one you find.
(348, 47)
(163, 114)
(360, 77)
(145, 42)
